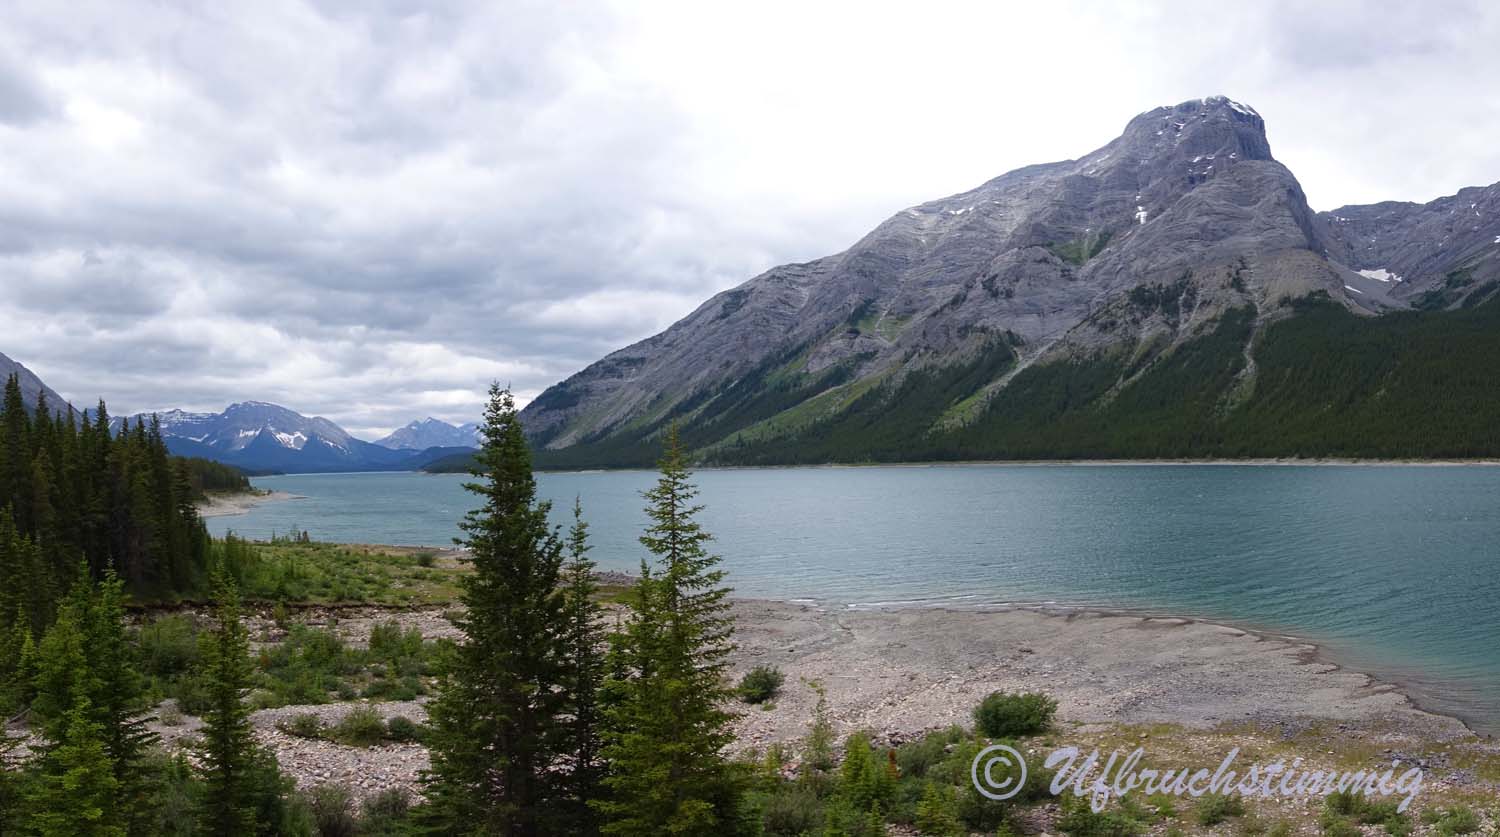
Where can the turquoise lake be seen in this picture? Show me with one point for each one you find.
(1394, 570)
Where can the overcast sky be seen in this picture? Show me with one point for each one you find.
(367, 211)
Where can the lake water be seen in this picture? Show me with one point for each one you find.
(1396, 570)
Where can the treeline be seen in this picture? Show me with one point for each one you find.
(71, 491)
(205, 475)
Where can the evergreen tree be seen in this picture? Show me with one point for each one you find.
(494, 740)
(583, 674)
(120, 704)
(228, 753)
(73, 793)
(667, 726)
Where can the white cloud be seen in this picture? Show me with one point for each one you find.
(369, 211)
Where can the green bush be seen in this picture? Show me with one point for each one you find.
(386, 814)
(917, 757)
(792, 810)
(403, 729)
(1212, 810)
(1004, 715)
(1336, 826)
(1459, 819)
(168, 646)
(302, 725)
(935, 813)
(333, 811)
(761, 684)
(361, 727)
(1079, 820)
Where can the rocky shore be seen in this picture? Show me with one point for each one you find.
(1196, 687)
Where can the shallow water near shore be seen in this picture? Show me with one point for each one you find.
(1395, 570)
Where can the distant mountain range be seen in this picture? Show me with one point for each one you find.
(1170, 294)
(432, 433)
(259, 437)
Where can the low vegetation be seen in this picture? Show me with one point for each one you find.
(293, 570)
(359, 727)
(308, 666)
(1003, 715)
(761, 684)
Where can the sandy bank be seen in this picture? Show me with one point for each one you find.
(221, 505)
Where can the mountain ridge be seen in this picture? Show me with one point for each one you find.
(1137, 249)
(259, 436)
(430, 432)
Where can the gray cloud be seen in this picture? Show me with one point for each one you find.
(368, 211)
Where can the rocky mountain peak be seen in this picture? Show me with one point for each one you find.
(1215, 127)
(1135, 249)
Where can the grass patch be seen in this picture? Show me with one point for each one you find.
(324, 573)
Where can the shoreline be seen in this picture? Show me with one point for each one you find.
(225, 505)
(1317, 651)
(1279, 462)
(902, 671)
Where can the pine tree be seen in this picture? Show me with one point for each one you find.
(73, 793)
(74, 788)
(119, 705)
(228, 752)
(583, 674)
(494, 740)
(667, 726)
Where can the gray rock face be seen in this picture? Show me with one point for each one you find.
(1044, 259)
(31, 385)
(1412, 248)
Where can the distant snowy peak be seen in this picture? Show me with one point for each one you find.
(243, 424)
(431, 433)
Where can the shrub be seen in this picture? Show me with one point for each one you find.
(935, 815)
(1335, 826)
(169, 646)
(1456, 820)
(302, 725)
(1004, 715)
(385, 813)
(169, 715)
(333, 811)
(1079, 820)
(362, 727)
(1212, 810)
(426, 559)
(792, 810)
(917, 757)
(761, 684)
(403, 729)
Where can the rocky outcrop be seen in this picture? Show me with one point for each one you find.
(1146, 241)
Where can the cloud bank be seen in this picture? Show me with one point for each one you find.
(368, 211)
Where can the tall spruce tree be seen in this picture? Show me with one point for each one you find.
(228, 753)
(494, 740)
(583, 674)
(73, 788)
(666, 724)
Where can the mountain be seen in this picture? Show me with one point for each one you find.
(431, 433)
(31, 385)
(261, 437)
(1170, 294)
